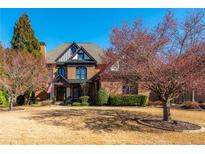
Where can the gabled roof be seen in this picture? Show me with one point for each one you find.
(72, 44)
(87, 53)
(59, 77)
(91, 48)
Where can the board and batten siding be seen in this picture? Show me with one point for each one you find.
(65, 56)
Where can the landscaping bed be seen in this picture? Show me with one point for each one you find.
(192, 106)
(179, 126)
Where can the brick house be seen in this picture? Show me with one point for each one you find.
(74, 70)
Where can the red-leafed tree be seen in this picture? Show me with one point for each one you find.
(22, 72)
(165, 59)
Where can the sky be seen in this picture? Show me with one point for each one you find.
(57, 26)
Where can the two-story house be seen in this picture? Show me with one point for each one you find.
(72, 68)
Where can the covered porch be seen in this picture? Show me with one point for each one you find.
(63, 88)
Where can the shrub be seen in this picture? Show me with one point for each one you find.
(84, 98)
(144, 100)
(53, 100)
(76, 104)
(37, 104)
(84, 104)
(128, 100)
(21, 100)
(102, 97)
(80, 104)
(4, 102)
(67, 101)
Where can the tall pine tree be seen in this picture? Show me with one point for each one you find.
(23, 38)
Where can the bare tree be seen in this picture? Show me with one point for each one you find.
(22, 73)
(166, 59)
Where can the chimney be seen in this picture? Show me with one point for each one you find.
(43, 49)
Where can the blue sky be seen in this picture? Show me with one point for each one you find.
(56, 26)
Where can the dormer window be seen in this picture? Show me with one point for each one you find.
(73, 49)
(81, 56)
(115, 67)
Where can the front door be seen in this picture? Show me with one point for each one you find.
(75, 91)
(61, 92)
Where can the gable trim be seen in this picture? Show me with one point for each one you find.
(66, 50)
(81, 48)
(60, 76)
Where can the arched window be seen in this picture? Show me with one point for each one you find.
(61, 71)
(81, 72)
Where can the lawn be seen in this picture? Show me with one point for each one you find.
(92, 125)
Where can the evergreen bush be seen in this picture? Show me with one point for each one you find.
(102, 97)
(128, 100)
(76, 104)
(84, 98)
(4, 102)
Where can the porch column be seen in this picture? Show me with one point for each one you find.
(67, 92)
(52, 95)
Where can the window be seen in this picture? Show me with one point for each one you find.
(81, 73)
(61, 71)
(73, 49)
(129, 88)
(81, 56)
(115, 67)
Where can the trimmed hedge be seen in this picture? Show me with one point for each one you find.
(128, 100)
(84, 104)
(76, 104)
(80, 104)
(102, 97)
(84, 98)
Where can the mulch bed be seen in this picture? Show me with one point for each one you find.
(171, 126)
(190, 105)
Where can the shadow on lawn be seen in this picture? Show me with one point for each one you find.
(93, 119)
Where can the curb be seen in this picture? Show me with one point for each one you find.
(202, 129)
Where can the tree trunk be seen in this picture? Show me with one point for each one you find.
(166, 111)
(12, 99)
(193, 96)
(10, 103)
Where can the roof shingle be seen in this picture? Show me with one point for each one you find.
(94, 50)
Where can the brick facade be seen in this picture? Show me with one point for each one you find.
(113, 88)
(71, 72)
